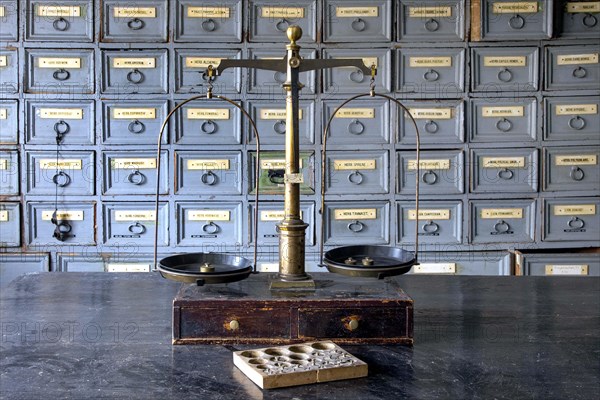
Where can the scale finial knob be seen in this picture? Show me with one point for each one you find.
(294, 33)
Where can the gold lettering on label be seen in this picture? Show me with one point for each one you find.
(58, 11)
(120, 267)
(134, 113)
(3, 164)
(505, 61)
(62, 113)
(275, 164)
(207, 113)
(428, 164)
(275, 215)
(207, 164)
(3, 113)
(134, 215)
(431, 113)
(429, 12)
(356, 113)
(491, 213)
(515, 7)
(344, 165)
(587, 7)
(3, 215)
(575, 209)
(435, 268)
(3, 61)
(566, 269)
(279, 113)
(120, 62)
(419, 62)
(60, 164)
(577, 109)
(208, 12)
(202, 62)
(282, 12)
(131, 12)
(490, 112)
(63, 215)
(503, 162)
(357, 214)
(353, 12)
(208, 215)
(56, 62)
(133, 163)
(576, 59)
(2, 11)
(429, 214)
(591, 159)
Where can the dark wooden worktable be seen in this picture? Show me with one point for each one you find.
(100, 336)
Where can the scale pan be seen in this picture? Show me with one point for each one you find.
(369, 261)
(205, 268)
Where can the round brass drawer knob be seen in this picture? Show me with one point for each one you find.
(353, 324)
(234, 325)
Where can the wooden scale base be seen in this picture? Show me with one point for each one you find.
(346, 310)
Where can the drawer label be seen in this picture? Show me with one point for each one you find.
(357, 213)
(352, 12)
(566, 269)
(343, 165)
(134, 113)
(208, 215)
(3, 61)
(429, 214)
(58, 11)
(435, 268)
(587, 7)
(490, 112)
(493, 213)
(202, 62)
(2, 12)
(134, 215)
(133, 267)
(207, 164)
(282, 12)
(503, 162)
(430, 61)
(356, 113)
(431, 113)
(505, 61)
(133, 163)
(276, 164)
(62, 215)
(429, 12)
(591, 159)
(208, 12)
(128, 62)
(276, 113)
(3, 215)
(63, 113)
(130, 12)
(276, 215)
(576, 59)
(575, 209)
(3, 164)
(3, 113)
(428, 164)
(59, 62)
(515, 7)
(207, 113)
(60, 164)
(577, 109)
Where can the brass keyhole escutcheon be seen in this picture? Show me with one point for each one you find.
(234, 325)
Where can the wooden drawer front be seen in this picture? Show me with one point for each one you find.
(265, 323)
(372, 322)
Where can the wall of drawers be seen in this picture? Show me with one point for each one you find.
(505, 95)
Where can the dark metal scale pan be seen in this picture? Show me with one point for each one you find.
(369, 261)
(205, 268)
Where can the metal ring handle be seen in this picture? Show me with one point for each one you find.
(577, 123)
(429, 181)
(356, 177)
(61, 24)
(516, 22)
(211, 228)
(359, 25)
(431, 75)
(501, 226)
(505, 174)
(136, 127)
(356, 226)
(137, 228)
(579, 72)
(138, 74)
(280, 127)
(356, 127)
(276, 176)
(62, 230)
(577, 174)
(431, 126)
(590, 20)
(430, 227)
(432, 25)
(61, 74)
(136, 178)
(62, 127)
(209, 178)
(505, 75)
(208, 127)
(282, 25)
(66, 179)
(135, 24)
(357, 76)
(279, 77)
(504, 125)
(209, 25)
(576, 223)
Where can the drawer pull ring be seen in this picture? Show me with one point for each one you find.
(355, 177)
(501, 226)
(580, 72)
(61, 127)
(356, 226)
(282, 25)
(577, 123)
(208, 127)
(589, 20)
(61, 179)
(356, 127)
(359, 25)
(353, 324)
(137, 229)
(506, 174)
(211, 228)
(429, 177)
(357, 76)
(504, 125)
(209, 178)
(279, 77)
(431, 76)
(61, 74)
(209, 25)
(135, 24)
(61, 24)
(432, 25)
(516, 22)
(136, 127)
(505, 75)
(577, 174)
(431, 126)
(62, 230)
(430, 227)
(136, 177)
(135, 76)
(279, 127)
(576, 223)
(276, 176)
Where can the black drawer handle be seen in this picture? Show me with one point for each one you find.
(576, 223)
(577, 123)
(516, 22)
(430, 227)
(135, 24)
(209, 178)
(61, 24)
(135, 76)
(137, 229)
(209, 25)
(61, 179)
(505, 174)
(432, 25)
(282, 25)
(590, 20)
(355, 177)
(504, 125)
(357, 76)
(501, 226)
(136, 127)
(62, 230)
(211, 228)
(577, 174)
(431, 76)
(208, 127)
(431, 126)
(136, 178)
(356, 127)
(276, 176)
(279, 127)
(580, 72)
(279, 77)
(359, 25)
(505, 75)
(429, 177)
(61, 74)
(61, 127)
(356, 226)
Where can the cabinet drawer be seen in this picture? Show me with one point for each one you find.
(503, 120)
(10, 225)
(434, 70)
(360, 122)
(439, 222)
(509, 20)
(436, 21)
(133, 172)
(502, 221)
(132, 223)
(73, 174)
(464, 263)
(9, 172)
(191, 66)
(270, 118)
(14, 264)
(8, 16)
(56, 20)
(134, 122)
(269, 20)
(353, 80)
(68, 122)
(504, 170)
(272, 172)
(571, 219)
(76, 223)
(131, 261)
(504, 69)
(59, 71)
(9, 71)
(440, 172)
(357, 21)
(209, 223)
(572, 67)
(571, 264)
(580, 20)
(135, 71)
(140, 21)
(439, 122)
(208, 122)
(197, 21)
(206, 173)
(9, 122)
(358, 172)
(571, 168)
(270, 214)
(365, 222)
(269, 83)
(572, 118)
